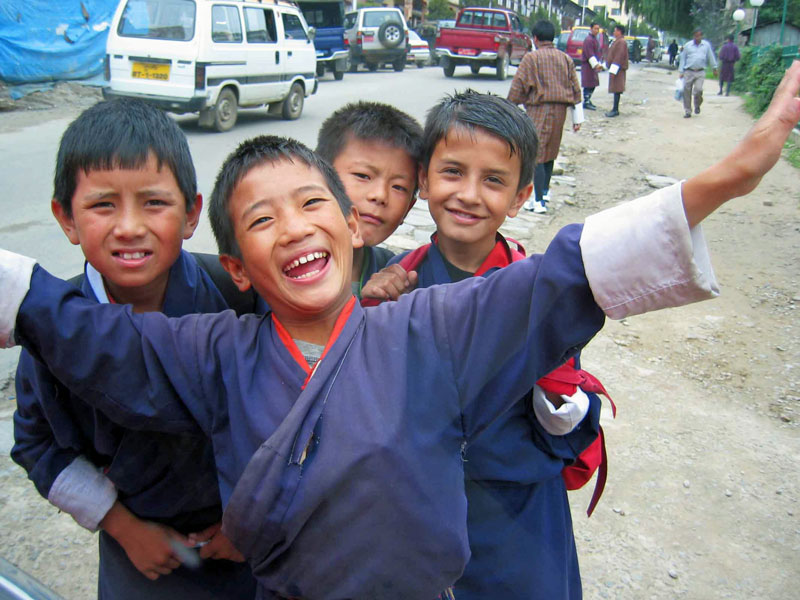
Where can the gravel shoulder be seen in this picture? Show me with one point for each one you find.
(704, 455)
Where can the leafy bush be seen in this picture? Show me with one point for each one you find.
(763, 78)
(740, 81)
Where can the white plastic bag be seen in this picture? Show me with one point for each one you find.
(679, 89)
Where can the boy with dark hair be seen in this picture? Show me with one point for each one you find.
(345, 479)
(375, 149)
(517, 508)
(125, 190)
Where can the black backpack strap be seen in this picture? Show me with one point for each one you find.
(243, 303)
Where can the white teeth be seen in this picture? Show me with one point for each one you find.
(303, 260)
(131, 255)
(307, 275)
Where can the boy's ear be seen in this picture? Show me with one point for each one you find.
(235, 269)
(352, 225)
(519, 200)
(67, 222)
(193, 217)
(423, 184)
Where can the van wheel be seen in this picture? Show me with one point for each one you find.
(448, 66)
(390, 34)
(225, 111)
(293, 104)
(372, 67)
(338, 75)
(399, 64)
(502, 68)
(475, 69)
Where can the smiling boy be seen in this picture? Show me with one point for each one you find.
(344, 479)
(375, 149)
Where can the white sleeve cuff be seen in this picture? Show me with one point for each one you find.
(577, 114)
(565, 418)
(613, 69)
(82, 491)
(593, 62)
(15, 281)
(641, 256)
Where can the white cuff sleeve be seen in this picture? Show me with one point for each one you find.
(565, 418)
(15, 281)
(593, 62)
(82, 491)
(577, 114)
(613, 69)
(641, 256)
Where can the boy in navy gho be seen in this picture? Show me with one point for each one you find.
(344, 479)
(476, 171)
(375, 149)
(126, 192)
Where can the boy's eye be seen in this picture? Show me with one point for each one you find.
(363, 176)
(101, 204)
(259, 221)
(400, 188)
(312, 201)
(494, 179)
(156, 202)
(451, 171)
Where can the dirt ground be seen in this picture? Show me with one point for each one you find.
(704, 455)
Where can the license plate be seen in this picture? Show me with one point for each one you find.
(142, 70)
(369, 38)
(467, 51)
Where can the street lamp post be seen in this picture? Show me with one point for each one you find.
(783, 19)
(738, 15)
(755, 4)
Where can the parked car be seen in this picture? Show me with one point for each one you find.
(211, 57)
(561, 40)
(657, 51)
(376, 36)
(327, 18)
(419, 52)
(483, 37)
(576, 39)
(634, 49)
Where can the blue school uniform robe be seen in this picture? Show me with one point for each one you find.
(356, 487)
(518, 516)
(165, 477)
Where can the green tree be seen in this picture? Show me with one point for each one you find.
(773, 10)
(439, 9)
(541, 14)
(674, 15)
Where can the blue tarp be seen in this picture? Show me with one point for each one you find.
(46, 40)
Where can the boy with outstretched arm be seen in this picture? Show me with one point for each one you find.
(476, 171)
(344, 479)
(375, 149)
(126, 192)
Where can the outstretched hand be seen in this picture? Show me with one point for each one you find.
(740, 172)
(390, 283)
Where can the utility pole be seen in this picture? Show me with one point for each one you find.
(783, 19)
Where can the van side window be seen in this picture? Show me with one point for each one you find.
(225, 24)
(259, 26)
(293, 27)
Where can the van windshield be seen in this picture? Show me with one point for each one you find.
(579, 35)
(158, 20)
(376, 18)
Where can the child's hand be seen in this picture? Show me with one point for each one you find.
(147, 544)
(217, 545)
(390, 283)
(739, 172)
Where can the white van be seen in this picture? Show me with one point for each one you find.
(211, 56)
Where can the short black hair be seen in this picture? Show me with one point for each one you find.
(544, 31)
(250, 154)
(593, 23)
(495, 115)
(369, 121)
(729, 37)
(121, 134)
(621, 28)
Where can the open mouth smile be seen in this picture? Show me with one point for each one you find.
(306, 266)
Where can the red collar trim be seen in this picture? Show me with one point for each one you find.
(288, 341)
(500, 256)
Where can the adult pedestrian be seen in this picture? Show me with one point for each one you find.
(728, 55)
(546, 84)
(696, 56)
(591, 60)
(651, 48)
(673, 52)
(617, 67)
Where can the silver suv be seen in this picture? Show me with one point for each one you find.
(376, 36)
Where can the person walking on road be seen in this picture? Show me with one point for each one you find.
(651, 48)
(673, 52)
(546, 84)
(617, 67)
(591, 60)
(696, 56)
(728, 55)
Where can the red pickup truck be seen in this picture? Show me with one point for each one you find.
(483, 37)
